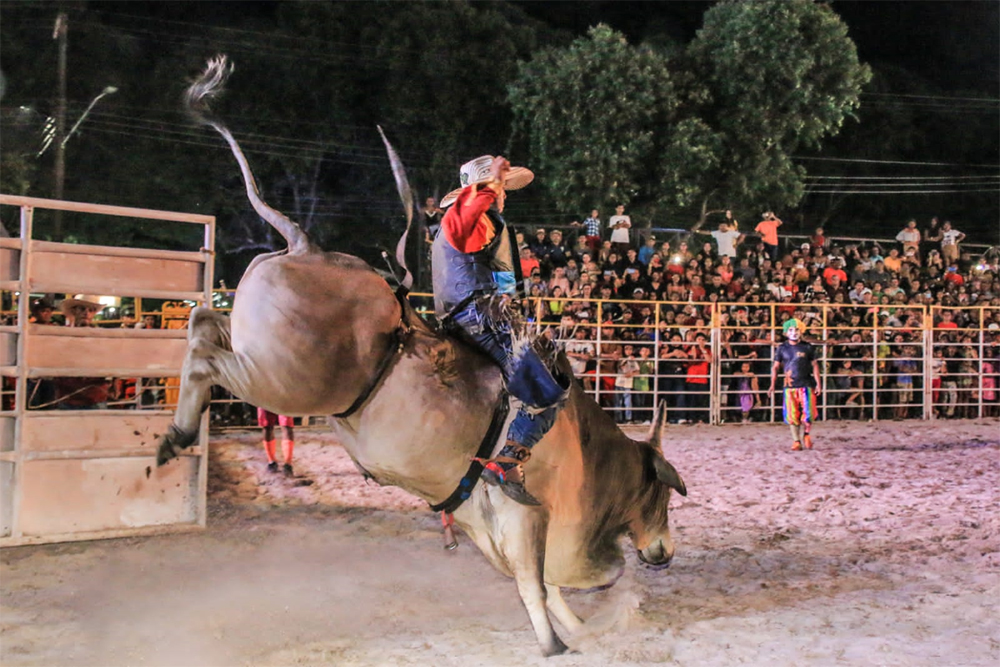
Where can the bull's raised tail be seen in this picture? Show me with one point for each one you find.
(208, 86)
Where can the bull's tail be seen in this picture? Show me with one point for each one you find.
(205, 88)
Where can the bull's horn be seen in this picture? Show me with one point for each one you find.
(403, 187)
(666, 473)
(656, 430)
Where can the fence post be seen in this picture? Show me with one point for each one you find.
(928, 374)
(715, 370)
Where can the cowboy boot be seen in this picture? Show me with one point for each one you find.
(507, 472)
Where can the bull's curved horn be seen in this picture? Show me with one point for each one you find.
(666, 473)
(207, 87)
(403, 187)
(656, 430)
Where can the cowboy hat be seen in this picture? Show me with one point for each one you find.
(480, 171)
(81, 301)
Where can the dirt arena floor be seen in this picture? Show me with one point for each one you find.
(881, 547)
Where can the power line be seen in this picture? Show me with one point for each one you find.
(868, 161)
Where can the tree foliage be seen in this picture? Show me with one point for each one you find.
(623, 123)
(592, 113)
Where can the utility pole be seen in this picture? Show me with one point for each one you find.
(60, 32)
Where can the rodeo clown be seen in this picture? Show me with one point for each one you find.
(798, 359)
(476, 273)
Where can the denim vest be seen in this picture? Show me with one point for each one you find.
(457, 275)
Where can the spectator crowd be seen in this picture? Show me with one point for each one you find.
(638, 310)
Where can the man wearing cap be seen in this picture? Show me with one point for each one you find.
(474, 275)
(798, 360)
(81, 393)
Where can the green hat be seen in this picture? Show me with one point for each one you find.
(797, 323)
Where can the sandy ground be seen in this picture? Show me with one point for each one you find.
(881, 547)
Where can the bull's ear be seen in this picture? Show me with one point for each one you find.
(667, 474)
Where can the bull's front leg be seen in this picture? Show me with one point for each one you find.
(557, 605)
(523, 539)
(208, 349)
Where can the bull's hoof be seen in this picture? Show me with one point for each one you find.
(173, 443)
(166, 452)
(556, 647)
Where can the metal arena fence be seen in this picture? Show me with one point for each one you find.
(709, 361)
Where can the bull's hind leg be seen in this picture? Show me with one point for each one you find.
(557, 605)
(523, 544)
(209, 361)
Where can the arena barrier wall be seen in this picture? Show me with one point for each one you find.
(69, 475)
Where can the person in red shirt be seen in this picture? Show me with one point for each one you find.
(475, 276)
(836, 269)
(768, 230)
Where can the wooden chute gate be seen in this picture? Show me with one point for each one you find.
(70, 475)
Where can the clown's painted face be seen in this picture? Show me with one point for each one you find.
(793, 334)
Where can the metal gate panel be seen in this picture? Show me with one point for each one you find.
(90, 474)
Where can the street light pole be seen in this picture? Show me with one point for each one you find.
(60, 32)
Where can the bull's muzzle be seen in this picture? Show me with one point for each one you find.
(657, 555)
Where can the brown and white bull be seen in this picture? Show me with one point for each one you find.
(311, 332)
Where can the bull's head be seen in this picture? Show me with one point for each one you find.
(648, 527)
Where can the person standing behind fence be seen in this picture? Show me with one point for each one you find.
(797, 358)
(768, 230)
(950, 238)
(592, 231)
(267, 420)
(620, 225)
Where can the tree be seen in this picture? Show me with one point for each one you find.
(781, 76)
(720, 121)
(591, 113)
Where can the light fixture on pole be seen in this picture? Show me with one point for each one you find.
(109, 90)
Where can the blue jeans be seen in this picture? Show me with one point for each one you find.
(495, 340)
(623, 400)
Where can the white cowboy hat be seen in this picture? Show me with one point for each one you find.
(480, 171)
(81, 300)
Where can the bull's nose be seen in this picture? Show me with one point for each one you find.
(655, 556)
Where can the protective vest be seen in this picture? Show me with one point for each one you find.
(457, 275)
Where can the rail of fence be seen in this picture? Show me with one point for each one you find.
(876, 362)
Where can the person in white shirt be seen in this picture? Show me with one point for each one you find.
(620, 224)
(727, 240)
(950, 238)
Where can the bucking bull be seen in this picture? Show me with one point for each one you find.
(314, 332)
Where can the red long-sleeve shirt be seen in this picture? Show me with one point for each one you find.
(465, 225)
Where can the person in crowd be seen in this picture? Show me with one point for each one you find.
(540, 245)
(748, 389)
(797, 360)
(620, 224)
(909, 237)
(930, 238)
(267, 420)
(592, 230)
(697, 380)
(628, 369)
(768, 230)
(727, 239)
(430, 217)
(41, 391)
(81, 393)
(818, 239)
(950, 238)
(648, 250)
